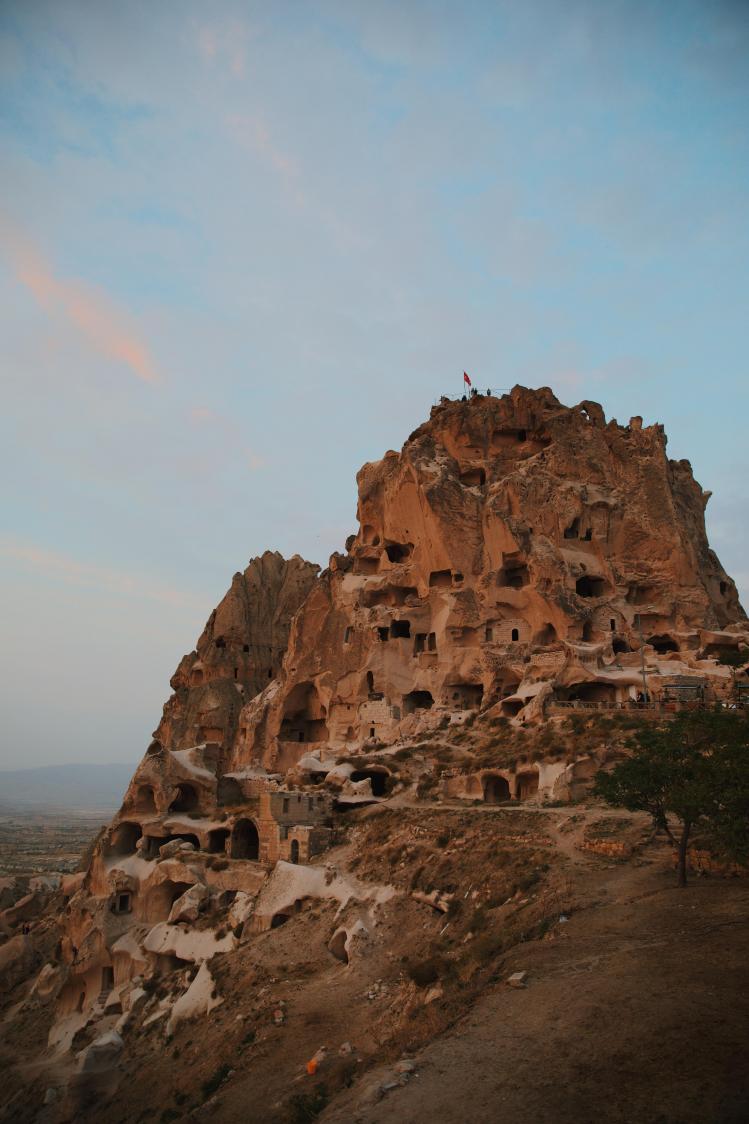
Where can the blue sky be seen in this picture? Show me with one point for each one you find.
(244, 247)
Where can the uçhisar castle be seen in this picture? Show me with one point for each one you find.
(518, 558)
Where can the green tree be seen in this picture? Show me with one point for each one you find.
(695, 768)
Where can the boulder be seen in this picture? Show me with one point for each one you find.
(190, 905)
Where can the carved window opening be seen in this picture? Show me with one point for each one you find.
(588, 586)
(440, 579)
(417, 700)
(398, 551)
(186, 799)
(400, 630)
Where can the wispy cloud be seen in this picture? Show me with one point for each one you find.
(229, 434)
(225, 47)
(253, 134)
(58, 567)
(104, 326)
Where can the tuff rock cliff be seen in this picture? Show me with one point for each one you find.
(516, 552)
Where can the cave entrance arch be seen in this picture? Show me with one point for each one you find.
(217, 840)
(496, 789)
(245, 841)
(124, 839)
(145, 800)
(294, 851)
(378, 779)
(186, 799)
(526, 785)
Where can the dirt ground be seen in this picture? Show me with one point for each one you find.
(637, 1010)
(636, 1006)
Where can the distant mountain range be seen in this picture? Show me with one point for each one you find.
(65, 786)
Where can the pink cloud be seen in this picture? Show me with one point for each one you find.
(55, 566)
(225, 47)
(229, 434)
(96, 318)
(254, 135)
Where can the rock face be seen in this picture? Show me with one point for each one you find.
(516, 552)
(239, 651)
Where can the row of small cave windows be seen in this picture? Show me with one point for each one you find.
(423, 641)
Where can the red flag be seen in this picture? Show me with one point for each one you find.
(466, 379)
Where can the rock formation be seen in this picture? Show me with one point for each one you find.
(516, 553)
(239, 651)
(518, 559)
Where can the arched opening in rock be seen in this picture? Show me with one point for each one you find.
(526, 785)
(294, 851)
(379, 779)
(186, 799)
(122, 902)
(619, 645)
(515, 635)
(145, 800)
(304, 716)
(229, 792)
(589, 586)
(440, 579)
(473, 477)
(511, 707)
(400, 630)
(417, 700)
(573, 531)
(124, 839)
(160, 899)
(245, 841)
(369, 536)
(513, 575)
(496, 789)
(196, 676)
(663, 643)
(398, 551)
(217, 840)
(279, 919)
(587, 631)
(337, 945)
(546, 635)
(466, 696)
